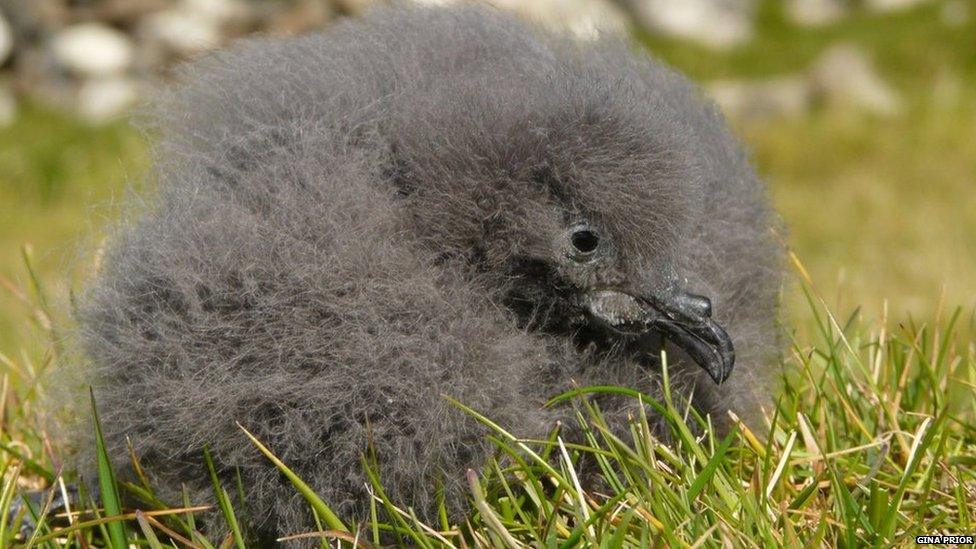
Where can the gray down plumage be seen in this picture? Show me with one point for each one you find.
(350, 224)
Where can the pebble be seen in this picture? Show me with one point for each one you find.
(92, 49)
(720, 24)
(182, 32)
(103, 99)
(845, 76)
(6, 39)
(760, 100)
(587, 19)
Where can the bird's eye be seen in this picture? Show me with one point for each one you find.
(585, 241)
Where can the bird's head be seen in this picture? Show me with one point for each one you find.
(571, 194)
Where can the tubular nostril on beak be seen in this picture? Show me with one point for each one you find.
(696, 306)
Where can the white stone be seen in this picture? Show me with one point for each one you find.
(183, 33)
(815, 12)
(8, 107)
(220, 11)
(584, 18)
(102, 99)
(6, 39)
(191, 26)
(844, 75)
(92, 49)
(892, 5)
(715, 23)
(752, 100)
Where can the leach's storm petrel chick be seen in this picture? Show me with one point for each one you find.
(421, 202)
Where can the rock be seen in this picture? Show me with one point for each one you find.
(842, 77)
(92, 49)
(6, 39)
(179, 31)
(118, 12)
(892, 5)
(353, 7)
(760, 100)
(810, 13)
(102, 99)
(584, 18)
(300, 16)
(8, 106)
(845, 76)
(30, 19)
(193, 26)
(221, 11)
(715, 23)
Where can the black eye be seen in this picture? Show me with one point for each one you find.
(584, 240)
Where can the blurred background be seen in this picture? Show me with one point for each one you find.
(861, 115)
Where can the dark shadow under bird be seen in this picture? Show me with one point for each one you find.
(423, 202)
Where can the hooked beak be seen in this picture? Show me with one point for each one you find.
(683, 318)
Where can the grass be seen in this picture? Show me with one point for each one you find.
(872, 440)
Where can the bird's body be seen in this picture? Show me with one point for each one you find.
(426, 202)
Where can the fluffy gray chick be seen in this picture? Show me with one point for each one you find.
(421, 202)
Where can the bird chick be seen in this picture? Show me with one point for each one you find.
(421, 202)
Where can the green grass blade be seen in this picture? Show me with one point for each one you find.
(223, 501)
(713, 464)
(920, 444)
(321, 509)
(151, 540)
(6, 499)
(107, 484)
(31, 465)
